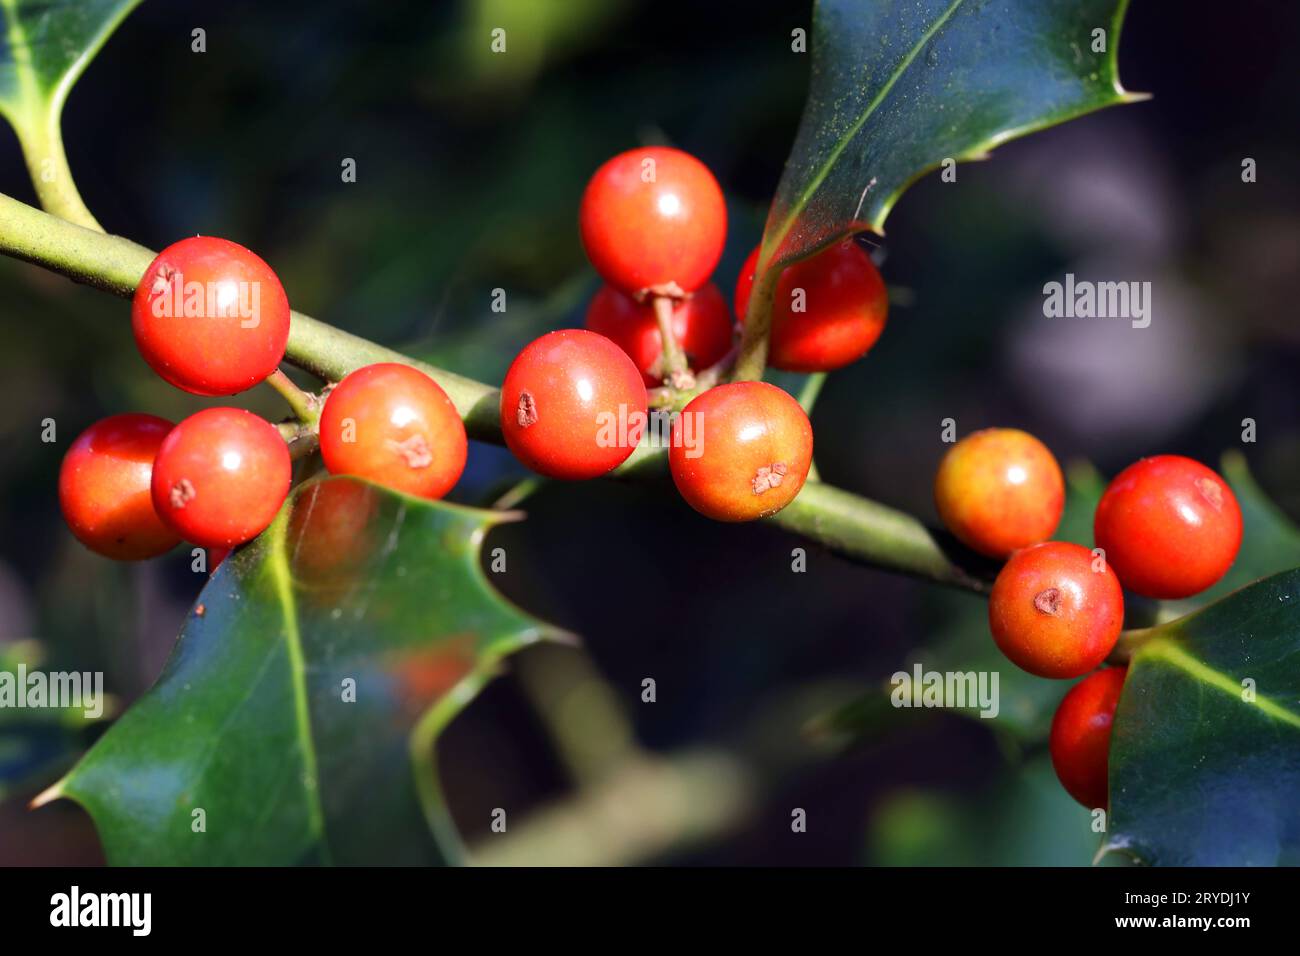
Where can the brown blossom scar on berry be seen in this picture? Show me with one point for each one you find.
(1048, 602)
(526, 414)
(1211, 492)
(415, 450)
(182, 493)
(162, 279)
(769, 476)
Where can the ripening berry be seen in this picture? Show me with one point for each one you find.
(393, 425)
(104, 488)
(1080, 739)
(210, 317)
(1170, 527)
(741, 451)
(220, 477)
(653, 221)
(1056, 609)
(828, 310)
(998, 490)
(702, 325)
(573, 405)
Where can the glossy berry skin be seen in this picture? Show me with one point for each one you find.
(664, 235)
(104, 488)
(1051, 614)
(844, 304)
(741, 451)
(1170, 527)
(1080, 739)
(393, 425)
(702, 325)
(210, 317)
(220, 477)
(573, 405)
(998, 490)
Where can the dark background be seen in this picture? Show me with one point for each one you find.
(470, 167)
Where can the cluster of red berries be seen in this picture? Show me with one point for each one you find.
(654, 222)
(212, 318)
(1166, 527)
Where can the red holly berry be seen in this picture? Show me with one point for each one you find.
(1170, 527)
(220, 477)
(572, 405)
(998, 490)
(210, 317)
(702, 325)
(1056, 609)
(104, 488)
(654, 220)
(828, 310)
(741, 451)
(1080, 739)
(393, 425)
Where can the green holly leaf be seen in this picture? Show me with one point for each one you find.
(1205, 751)
(47, 46)
(296, 719)
(900, 86)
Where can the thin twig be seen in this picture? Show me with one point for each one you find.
(677, 373)
(303, 404)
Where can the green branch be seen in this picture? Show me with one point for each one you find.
(305, 406)
(852, 526)
(875, 534)
(51, 176)
(752, 358)
(36, 120)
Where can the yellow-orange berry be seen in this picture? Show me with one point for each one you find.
(998, 490)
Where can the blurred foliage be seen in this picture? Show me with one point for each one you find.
(469, 170)
(1024, 819)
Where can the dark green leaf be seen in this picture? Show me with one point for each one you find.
(1205, 752)
(898, 86)
(249, 720)
(1021, 818)
(45, 47)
